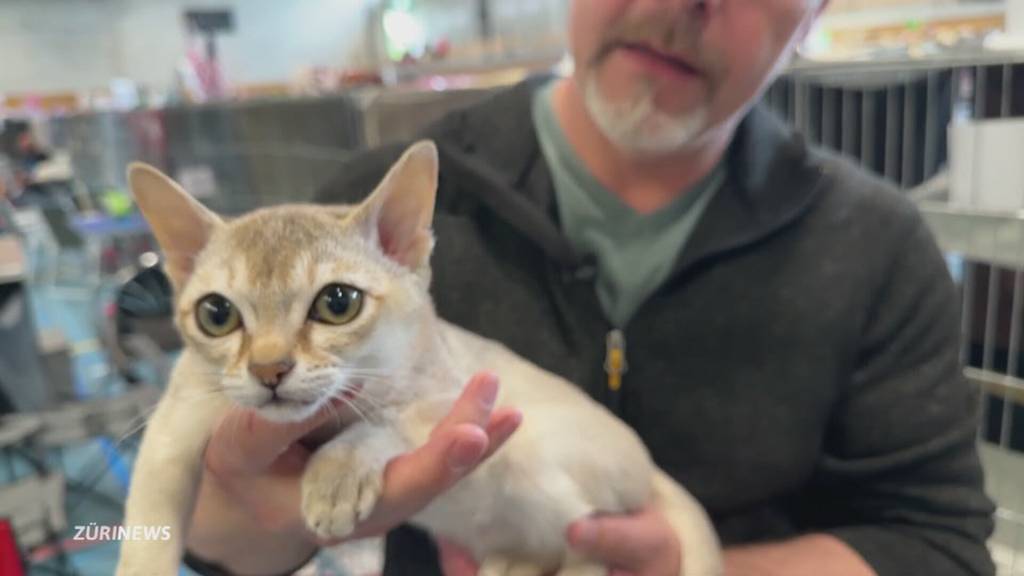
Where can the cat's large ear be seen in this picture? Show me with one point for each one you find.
(182, 226)
(398, 214)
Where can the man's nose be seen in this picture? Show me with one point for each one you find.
(271, 374)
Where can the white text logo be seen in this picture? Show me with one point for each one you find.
(94, 533)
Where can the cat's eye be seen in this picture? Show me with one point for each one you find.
(217, 316)
(337, 304)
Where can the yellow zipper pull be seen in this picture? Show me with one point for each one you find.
(615, 359)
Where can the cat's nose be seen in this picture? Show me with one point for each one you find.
(271, 374)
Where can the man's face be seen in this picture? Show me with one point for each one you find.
(657, 74)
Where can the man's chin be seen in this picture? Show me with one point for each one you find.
(656, 137)
(637, 128)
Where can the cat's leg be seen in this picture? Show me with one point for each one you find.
(702, 550)
(343, 480)
(164, 482)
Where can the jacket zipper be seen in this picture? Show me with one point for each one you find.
(615, 359)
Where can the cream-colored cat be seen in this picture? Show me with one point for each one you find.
(288, 307)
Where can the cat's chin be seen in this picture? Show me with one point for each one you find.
(287, 410)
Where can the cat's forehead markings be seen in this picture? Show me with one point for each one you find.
(272, 244)
(311, 271)
(304, 273)
(230, 268)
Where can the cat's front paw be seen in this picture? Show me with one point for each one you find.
(339, 490)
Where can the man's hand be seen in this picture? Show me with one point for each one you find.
(257, 465)
(641, 544)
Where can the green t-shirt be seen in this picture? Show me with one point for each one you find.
(635, 252)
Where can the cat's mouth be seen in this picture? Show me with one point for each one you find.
(282, 402)
(279, 408)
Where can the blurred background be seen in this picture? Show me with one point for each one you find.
(258, 102)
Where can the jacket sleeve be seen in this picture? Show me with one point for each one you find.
(900, 481)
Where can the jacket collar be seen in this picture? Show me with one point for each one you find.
(771, 178)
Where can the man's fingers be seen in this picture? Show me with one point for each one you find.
(412, 480)
(420, 475)
(627, 542)
(475, 403)
(455, 561)
(458, 444)
(503, 423)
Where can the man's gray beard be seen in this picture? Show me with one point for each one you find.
(636, 126)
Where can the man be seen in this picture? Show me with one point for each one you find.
(787, 325)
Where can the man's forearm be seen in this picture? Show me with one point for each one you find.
(811, 555)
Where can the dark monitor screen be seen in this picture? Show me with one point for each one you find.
(211, 20)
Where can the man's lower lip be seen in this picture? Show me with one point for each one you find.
(661, 65)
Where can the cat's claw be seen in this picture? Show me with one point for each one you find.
(338, 493)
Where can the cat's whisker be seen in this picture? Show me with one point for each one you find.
(368, 408)
(358, 412)
(359, 370)
(136, 424)
(377, 405)
(392, 376)
(371, 378)
(335, 414)
(370, 413)
(365, 410)
(387, 384)
(379, 401)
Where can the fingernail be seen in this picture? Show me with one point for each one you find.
(489, 391)
(463, 455)
(582, 534)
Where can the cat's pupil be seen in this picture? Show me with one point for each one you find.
(338, 300)
(217, 310)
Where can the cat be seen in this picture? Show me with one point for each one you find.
(286, 308)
